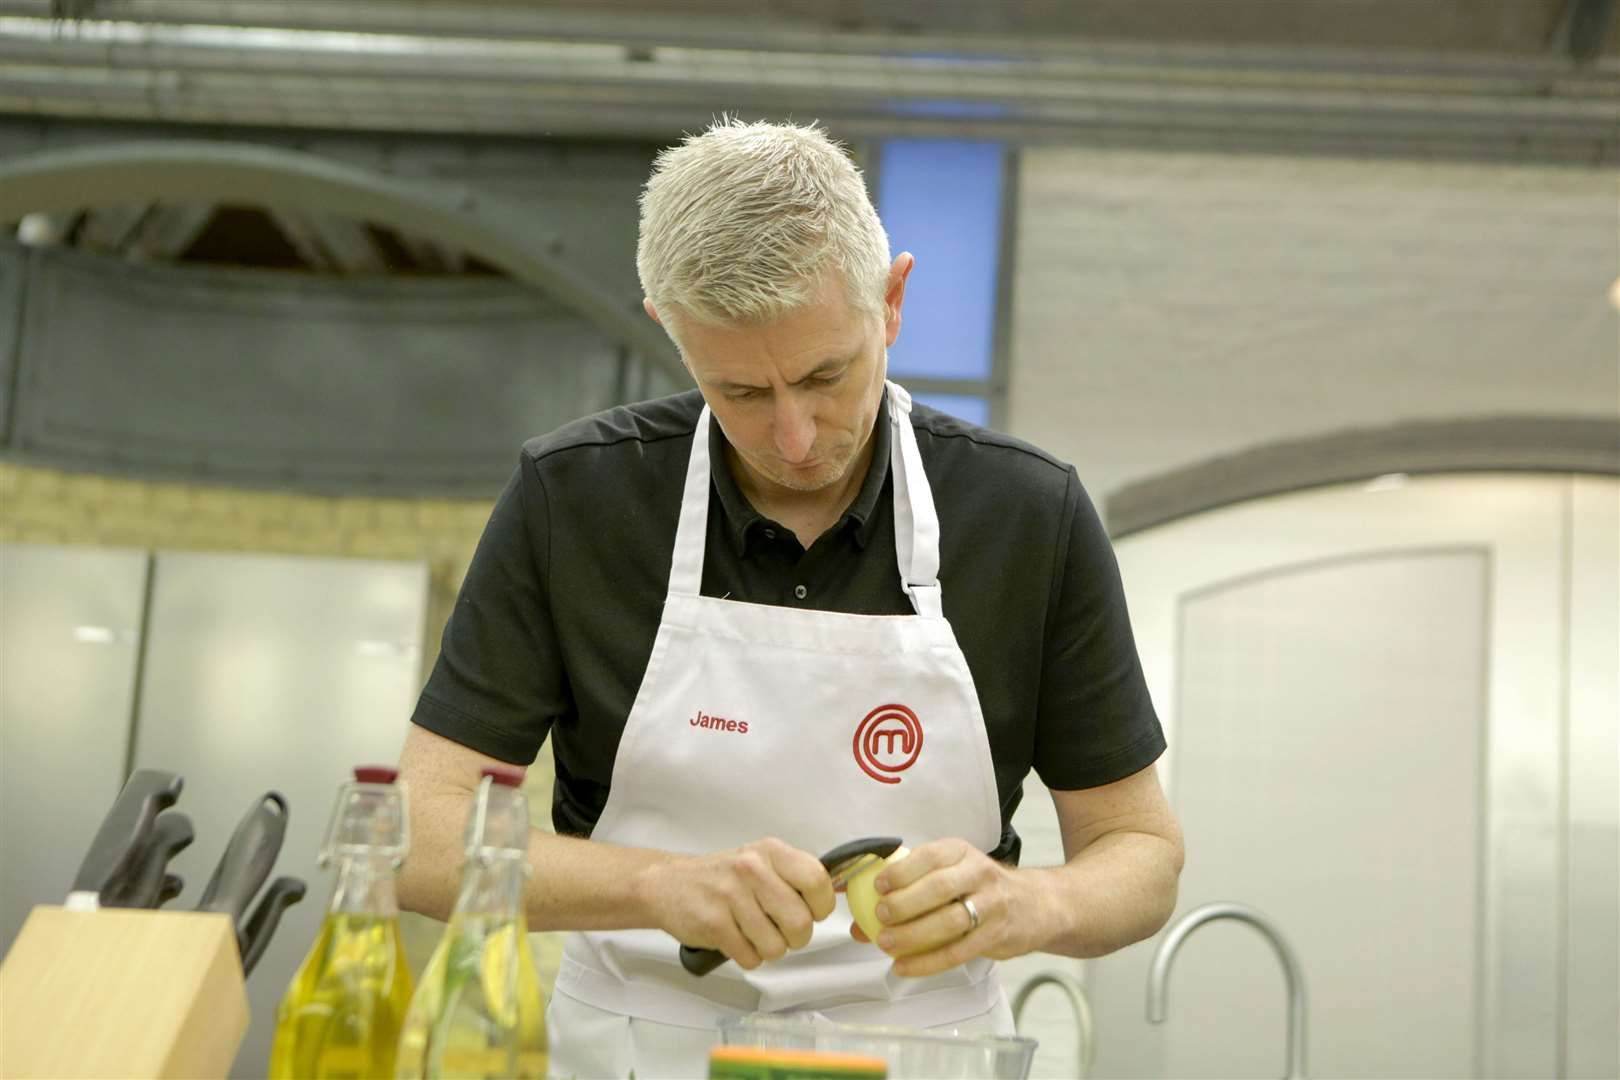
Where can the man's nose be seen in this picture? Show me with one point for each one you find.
(795, 428)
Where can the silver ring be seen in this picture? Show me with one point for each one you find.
(973, 912)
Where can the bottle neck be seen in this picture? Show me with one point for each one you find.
(492, 886)
(365, 886)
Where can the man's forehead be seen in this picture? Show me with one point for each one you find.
(801, 343)
(741, 365)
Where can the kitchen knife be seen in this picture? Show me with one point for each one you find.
(282, 894)
(142, 887)
(247, 861)
(125, 829)
(839, 862)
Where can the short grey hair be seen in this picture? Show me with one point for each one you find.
(740, 224)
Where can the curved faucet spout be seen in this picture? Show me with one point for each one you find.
(1159, 976)
(1085, 1028)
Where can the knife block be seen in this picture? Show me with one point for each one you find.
(121, 992)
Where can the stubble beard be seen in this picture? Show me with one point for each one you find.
(821, 478)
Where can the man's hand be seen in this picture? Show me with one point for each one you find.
(920, 905)
(753, 903)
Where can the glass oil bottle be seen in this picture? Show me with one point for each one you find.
(479, 1010)
(342, 1012)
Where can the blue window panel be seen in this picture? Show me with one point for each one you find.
(941, 201)
(969, 407)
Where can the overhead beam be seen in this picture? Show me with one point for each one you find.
(328, 242)
(169, 229)
(108, 228)
(295, 227)
(431, 256)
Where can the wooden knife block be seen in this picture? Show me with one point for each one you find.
(121, 993)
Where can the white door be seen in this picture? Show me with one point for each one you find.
(1379, 737)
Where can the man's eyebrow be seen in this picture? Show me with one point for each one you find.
(823, 368)
(827, 366)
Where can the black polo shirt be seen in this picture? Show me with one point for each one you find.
(556, 617)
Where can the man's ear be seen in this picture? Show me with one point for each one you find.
(652, 312)
(894, 294)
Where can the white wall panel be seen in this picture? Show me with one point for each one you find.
(70, 621)
(1521, 522)
(1592, 936)
(1331, 755)
(275, 673)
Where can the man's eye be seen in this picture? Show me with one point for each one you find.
(744, 395)
(828, 380)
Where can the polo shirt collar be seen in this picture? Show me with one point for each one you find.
(742, 520)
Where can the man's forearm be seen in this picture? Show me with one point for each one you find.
(573, 884)
(1119, 890)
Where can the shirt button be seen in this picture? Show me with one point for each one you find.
(800, 591)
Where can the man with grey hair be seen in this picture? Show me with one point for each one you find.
(778, 612)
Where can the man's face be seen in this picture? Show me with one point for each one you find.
(797, 399)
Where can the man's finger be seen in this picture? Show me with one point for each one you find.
(954, 954)
(939, 926)
(929, 893)
(804, 872)
(920, 862)
(761, 931)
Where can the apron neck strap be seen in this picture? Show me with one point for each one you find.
(916, 525)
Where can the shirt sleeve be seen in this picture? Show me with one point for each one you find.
(1096, 721)
(499, 683)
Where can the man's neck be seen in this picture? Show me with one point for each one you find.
(807, 513)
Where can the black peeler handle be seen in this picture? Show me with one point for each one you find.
(703, 961)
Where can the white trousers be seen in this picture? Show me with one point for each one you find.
(599, 1045)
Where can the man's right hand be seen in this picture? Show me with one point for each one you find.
(753, 903)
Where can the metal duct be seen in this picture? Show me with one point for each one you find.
(425, 81)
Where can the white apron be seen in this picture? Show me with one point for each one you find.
(812, 726)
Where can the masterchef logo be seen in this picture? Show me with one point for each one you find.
(888, 742)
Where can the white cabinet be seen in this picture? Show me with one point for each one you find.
(1392, 717)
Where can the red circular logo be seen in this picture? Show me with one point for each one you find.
(888, 741)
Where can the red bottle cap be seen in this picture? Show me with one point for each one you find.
(376, 774)
(504, 776)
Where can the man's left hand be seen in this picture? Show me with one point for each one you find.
(928, 927)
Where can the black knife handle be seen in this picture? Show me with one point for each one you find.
(142, 887)
(247, 861)
(173, 884)
(702, 961)
(124, 830)
(282, 894)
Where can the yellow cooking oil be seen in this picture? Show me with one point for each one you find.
(479, 1010)
(341, 1016)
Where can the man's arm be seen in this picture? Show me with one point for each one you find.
(1124, 854)
(753, 902)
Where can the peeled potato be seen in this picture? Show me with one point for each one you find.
(862, 894)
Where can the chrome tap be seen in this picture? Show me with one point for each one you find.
(1085, 1029)
(1159, 977)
